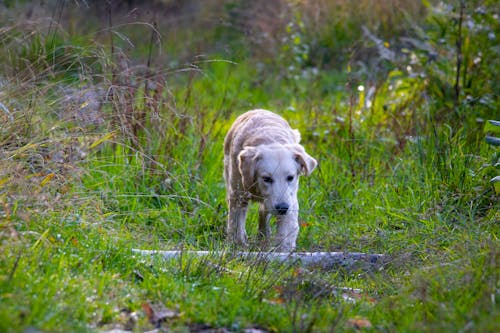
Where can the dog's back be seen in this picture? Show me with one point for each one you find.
(258, 127)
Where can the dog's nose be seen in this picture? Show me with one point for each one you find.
(281, 208)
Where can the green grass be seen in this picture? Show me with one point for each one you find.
(407, 177)
(72, 269)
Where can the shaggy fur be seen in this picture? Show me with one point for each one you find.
(262, 162)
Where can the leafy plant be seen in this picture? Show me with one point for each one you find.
(493, 127)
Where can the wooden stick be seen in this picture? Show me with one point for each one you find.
(322, 259)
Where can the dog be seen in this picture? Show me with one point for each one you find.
(262, 162)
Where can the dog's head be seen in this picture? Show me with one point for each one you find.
(272, 173)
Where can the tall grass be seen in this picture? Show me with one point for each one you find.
(103, 151)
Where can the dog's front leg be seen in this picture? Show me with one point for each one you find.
(236, 222)
(264, 227)
(287, 231)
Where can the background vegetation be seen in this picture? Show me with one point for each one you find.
(113, 116)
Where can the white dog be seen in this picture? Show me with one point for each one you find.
(262, 162)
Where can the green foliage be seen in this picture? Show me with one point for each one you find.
(493, 126)
(403, 170)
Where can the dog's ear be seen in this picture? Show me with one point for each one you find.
(306, 162)
(247, 159)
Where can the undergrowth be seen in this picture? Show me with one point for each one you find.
(107, 145)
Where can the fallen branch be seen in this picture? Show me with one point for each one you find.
(322, 259)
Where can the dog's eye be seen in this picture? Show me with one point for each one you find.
(289, 178)
(268, 180)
